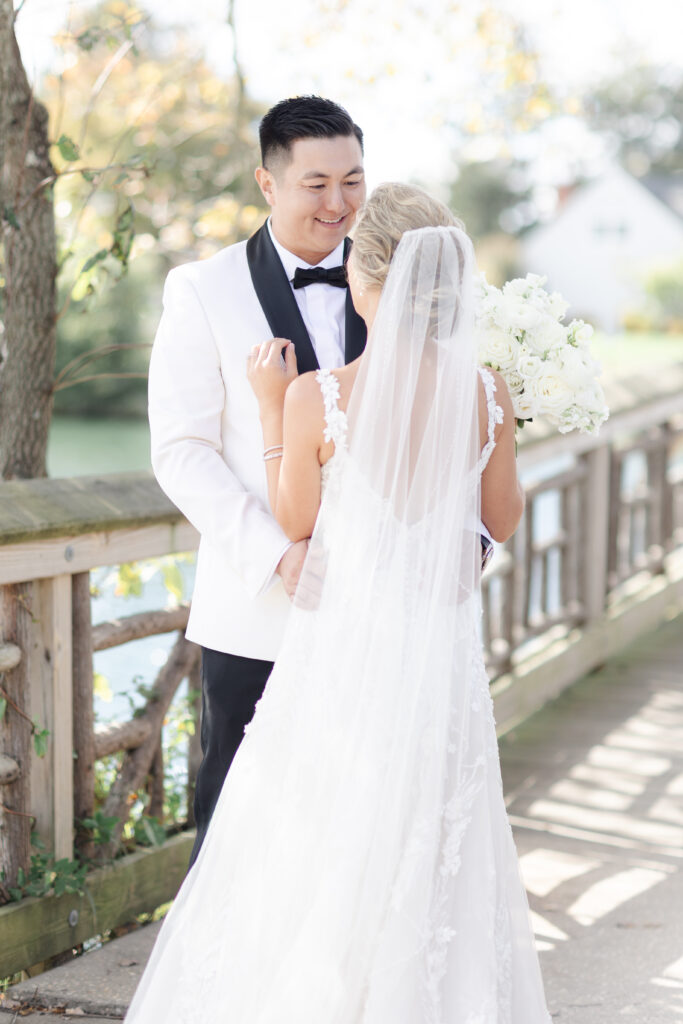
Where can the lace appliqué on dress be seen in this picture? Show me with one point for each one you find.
(495, 416)
(336, 424)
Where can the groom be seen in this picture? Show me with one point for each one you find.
(287, 281)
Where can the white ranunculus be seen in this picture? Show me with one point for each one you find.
(557, 306)
(498, 349)
(524, 287)
(546, 338)
(584, 334)
(591, 397)
(577, 368)
(516, 315)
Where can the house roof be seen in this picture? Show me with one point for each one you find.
(668, 188)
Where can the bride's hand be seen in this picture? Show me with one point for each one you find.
(268, 376)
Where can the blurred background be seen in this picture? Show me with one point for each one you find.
(552, 128)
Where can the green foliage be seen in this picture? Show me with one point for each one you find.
(68, 149)
(160, 172)
(149, 832)
(102, 688)
(664, 288)
(10, 217)
(47, 875)
(3, 707)
(640, 111)
(101, 826)
(483, 192)
(40, 738)
(129, 580)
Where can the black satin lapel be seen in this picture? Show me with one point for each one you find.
(274, 293)
(355, 330)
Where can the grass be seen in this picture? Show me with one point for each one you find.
(626, 353)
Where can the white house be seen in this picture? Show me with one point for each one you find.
(606, 236)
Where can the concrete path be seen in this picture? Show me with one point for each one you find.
(594, 784)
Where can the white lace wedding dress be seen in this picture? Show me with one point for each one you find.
(360, 867)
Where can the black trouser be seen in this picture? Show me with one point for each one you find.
(231, 686)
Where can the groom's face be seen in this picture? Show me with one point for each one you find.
(315, 195)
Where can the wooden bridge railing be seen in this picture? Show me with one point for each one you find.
(597, 559)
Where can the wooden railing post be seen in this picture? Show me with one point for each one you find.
(596, 531)
(51, 701)
(83, 709)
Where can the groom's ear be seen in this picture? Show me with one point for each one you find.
(266, 182)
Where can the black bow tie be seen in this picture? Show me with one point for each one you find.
(319, 275)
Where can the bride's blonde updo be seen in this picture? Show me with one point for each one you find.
(391, 210)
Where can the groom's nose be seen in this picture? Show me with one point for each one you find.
(334, 200)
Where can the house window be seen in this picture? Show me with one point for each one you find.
(617, 231)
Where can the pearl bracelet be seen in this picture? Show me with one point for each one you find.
(274, 452)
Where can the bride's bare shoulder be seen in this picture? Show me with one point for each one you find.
(303, 398)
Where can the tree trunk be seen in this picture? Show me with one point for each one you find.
(28, 337)
(15, 736)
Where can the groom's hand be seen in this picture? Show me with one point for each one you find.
(290, 566)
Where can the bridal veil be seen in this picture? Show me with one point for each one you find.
(359, 867)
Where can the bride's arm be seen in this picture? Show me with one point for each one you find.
(502, 496)
(292, 423)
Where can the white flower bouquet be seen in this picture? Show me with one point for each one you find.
(546, 364)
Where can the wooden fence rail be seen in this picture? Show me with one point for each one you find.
(599, 556)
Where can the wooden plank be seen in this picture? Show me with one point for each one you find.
(49, 662)
(62, 723)
(595, 532)
(83, 714)
(52, 557)
(519, 693)
(32, 509)
(35, 929)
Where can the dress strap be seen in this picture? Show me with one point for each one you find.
(495, 415)
(336, 424)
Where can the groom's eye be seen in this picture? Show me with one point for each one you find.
(353, 182)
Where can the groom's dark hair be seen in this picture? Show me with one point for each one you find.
(302, 117)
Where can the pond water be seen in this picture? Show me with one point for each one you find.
(82, 447)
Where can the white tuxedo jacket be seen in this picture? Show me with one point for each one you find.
(207, 447)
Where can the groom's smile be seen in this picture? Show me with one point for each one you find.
(314, 192)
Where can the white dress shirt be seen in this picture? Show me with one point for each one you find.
(322, 306)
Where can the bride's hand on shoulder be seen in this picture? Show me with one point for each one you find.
(271, 368)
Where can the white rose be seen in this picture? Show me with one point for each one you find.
(552, 393)
(530, 366)
(497, 349)
(525, 406)
(514, 382)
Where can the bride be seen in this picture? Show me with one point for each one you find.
(359, 867)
